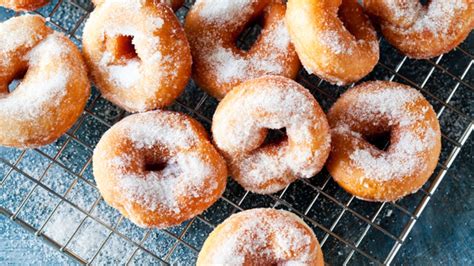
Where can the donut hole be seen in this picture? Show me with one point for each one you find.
(122, 47)
(260, 258)
(380, 140)
(155, 166)
(274, 136)
(424, 2)
(155, 160)
(351, 22)
(250, 34)
(17, 78)
(342, 15)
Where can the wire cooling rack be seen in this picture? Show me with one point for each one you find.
(51, 192)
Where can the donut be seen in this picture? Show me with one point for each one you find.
(262, 237)
(241, 124)
(158, 168)
(54, 87)
(334, 39)
(137, 54)
(379, 108)
(423, 31)
(23, 5)
(174, 4)
(213, 28)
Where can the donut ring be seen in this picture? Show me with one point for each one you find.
(54, 89)
(241, 122)
(219, 65)
(262, 237)
(137, 54)
(333, 38)
(370, 109)
(174, 4)
(158, 168)
(423, 31)
(23, 5)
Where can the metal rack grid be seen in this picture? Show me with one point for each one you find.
(51, 192)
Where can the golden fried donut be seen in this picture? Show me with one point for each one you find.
(423, 31)
(241, 123)
(262, 237)
(137, 54)
(333, 38)
(213, 29)
(54, 87)
(371, 109)
(158, 168)
(23, 5)
(174, 4)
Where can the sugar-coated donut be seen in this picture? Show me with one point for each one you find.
(213, 28)
(371, 109)
(423, 31)
(262, 237)
(174, 4)
(54, 87)
(240, 126)
(158, 168)
(334, 39)
(23, 5)
(137, 53)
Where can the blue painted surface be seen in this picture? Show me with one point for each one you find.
(20, 247)
(444, 235)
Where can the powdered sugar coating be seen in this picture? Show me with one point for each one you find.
(29, 99)
(232, 67)
(146, 130)
(334, 39)
(219, 64)
(283, 104)
(424, 31)
(127, 76)
(261, 236)
(158, 69)
(404, 12)
(189, 177)
(23, 5)
(217, 11)
(26, 36)
(266, 169)
(392, 107)
(402, 161)
(271, 102)
(174, 4)
(183, 174)
(437, 18)
(52, 73)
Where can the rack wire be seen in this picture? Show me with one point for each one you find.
(50, 191)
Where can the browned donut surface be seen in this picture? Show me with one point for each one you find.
(373, 109)
(423, 31)
(137, 54)
(53, 89)
(241, 123)
(23, 5)
(262, 237)
(213, 28)
(158, 168)
(334, 39)
(174, 4)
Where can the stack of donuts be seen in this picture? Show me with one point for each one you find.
(160, 168)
